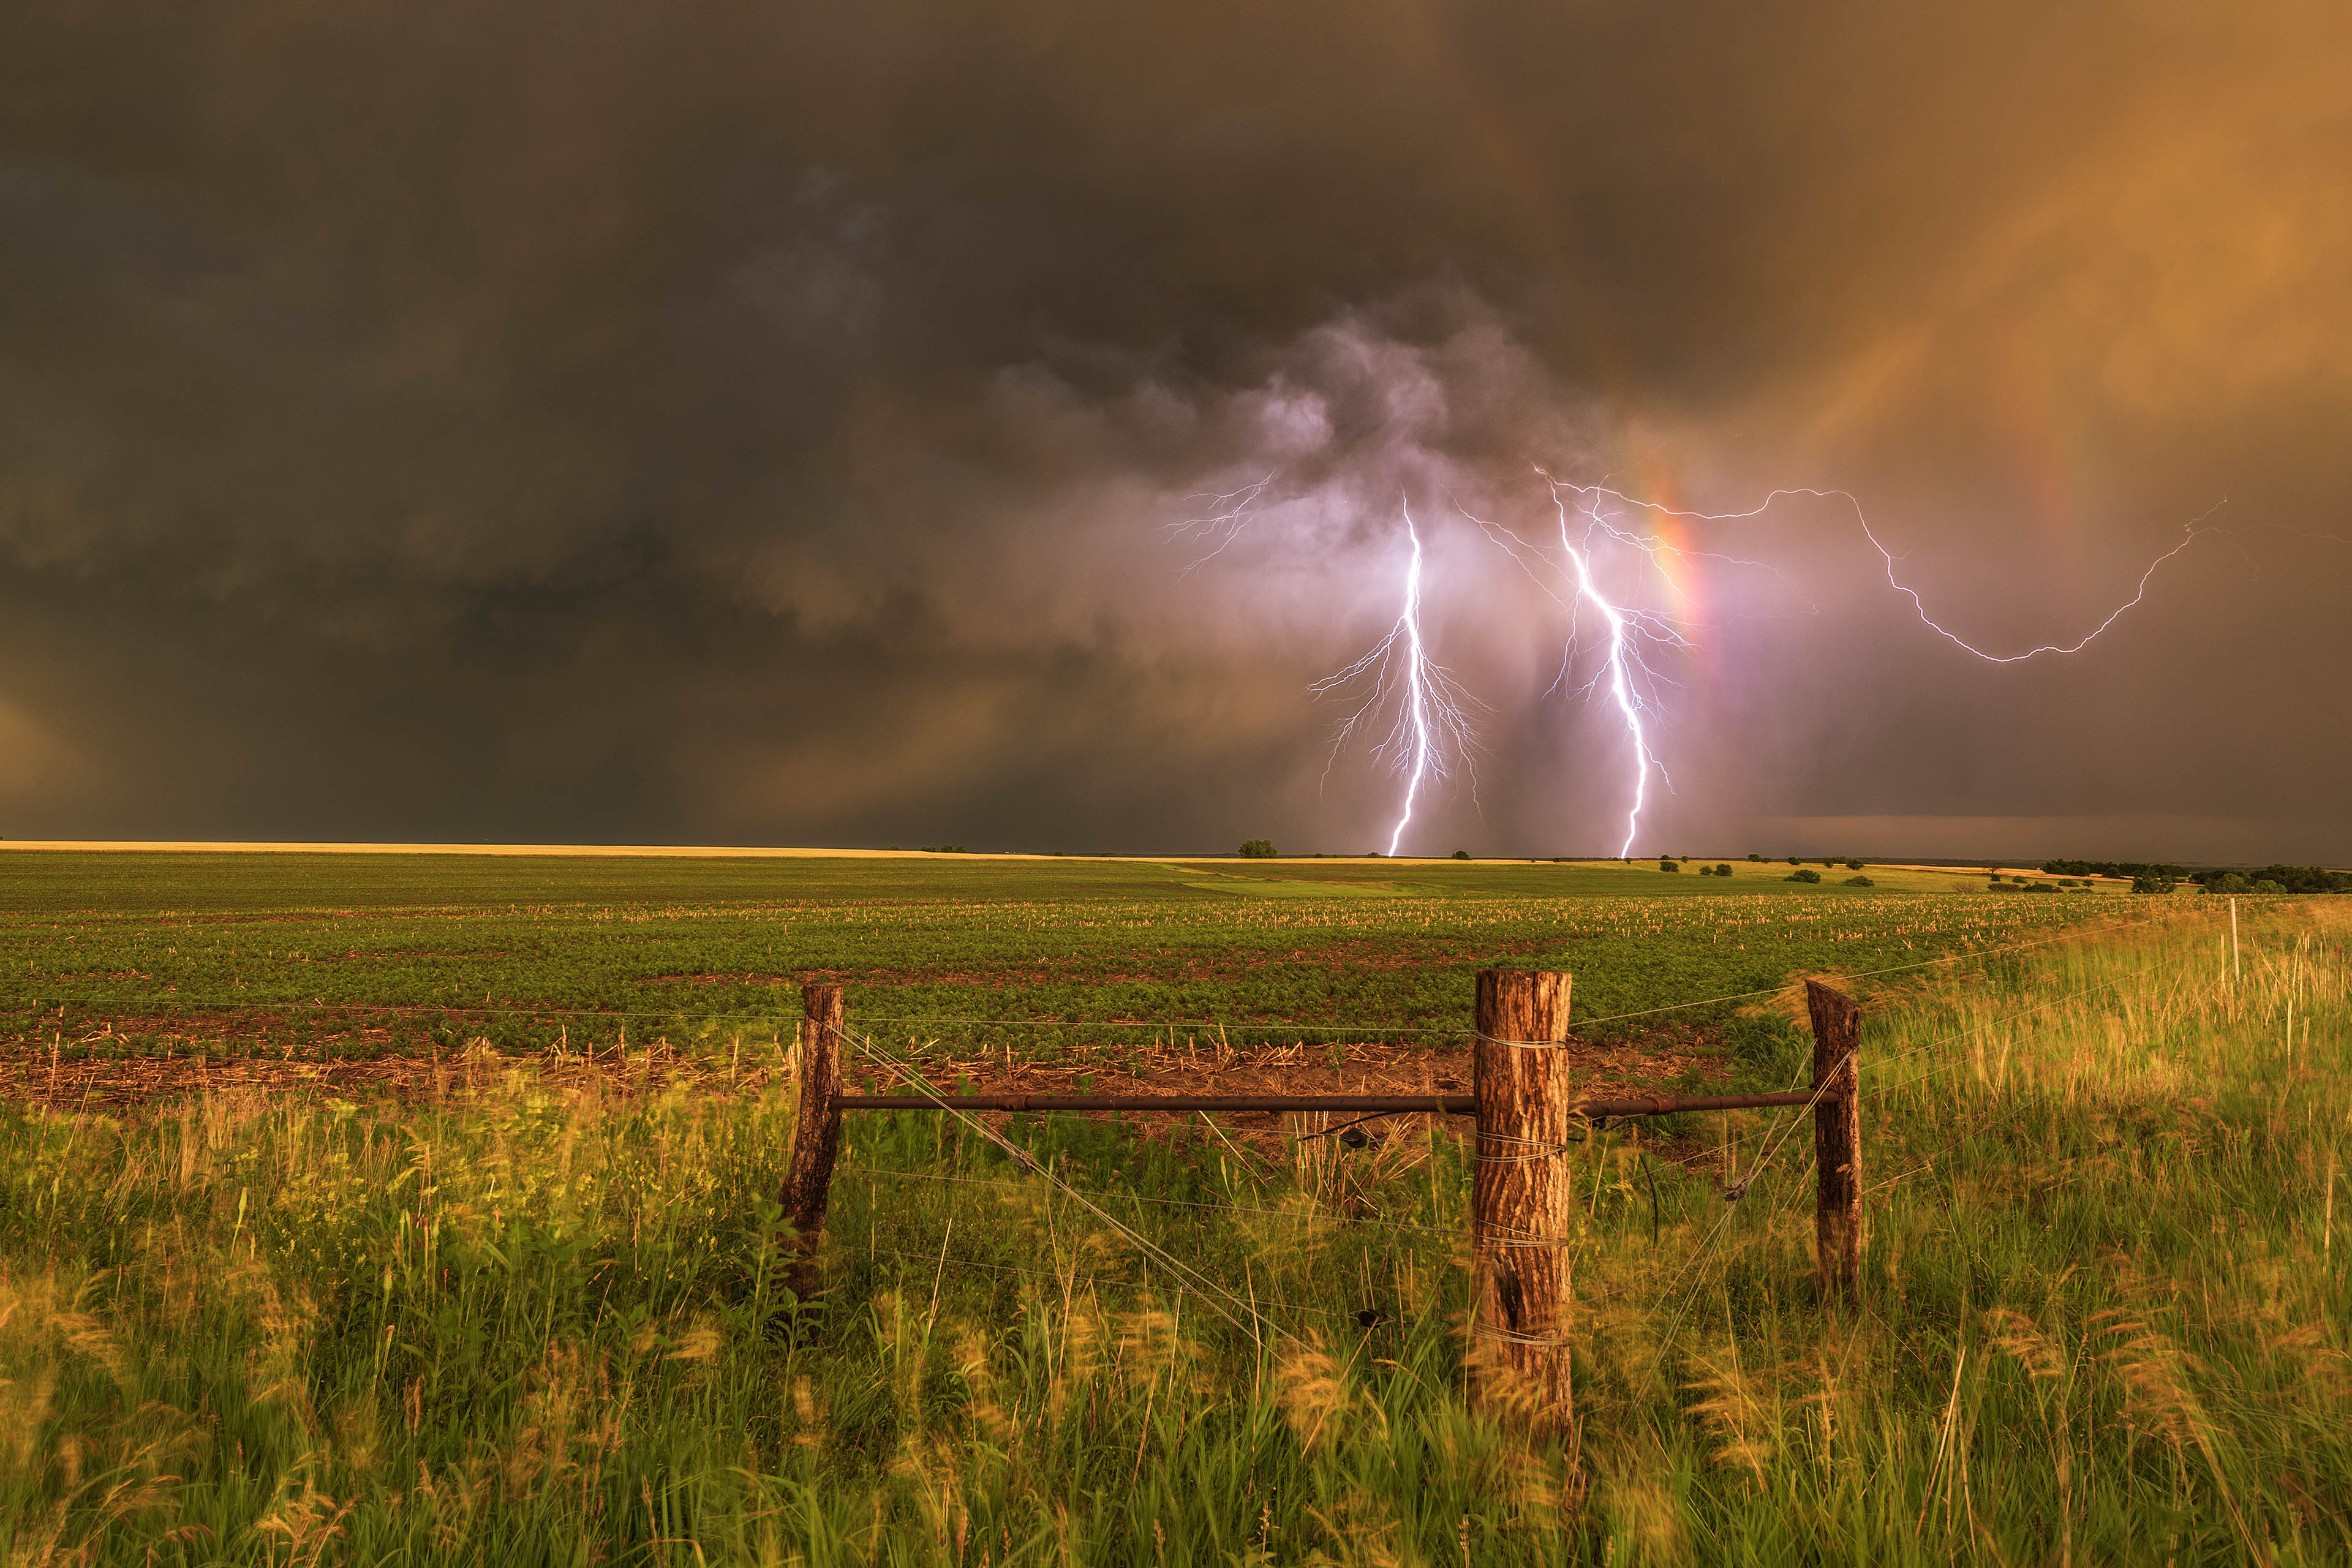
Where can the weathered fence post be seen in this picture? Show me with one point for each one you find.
(816, 1140)
(1522, 1196)
(1837, 1136)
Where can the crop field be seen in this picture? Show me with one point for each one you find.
(533, 1307)
(326, 958)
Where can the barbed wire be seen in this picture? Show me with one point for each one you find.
(1090, 1279)
(1173, 1203)
(1022, 1156)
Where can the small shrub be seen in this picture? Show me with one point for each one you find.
(1854, 865)
(1257, 849)
(1794, 861)
(1724, 870)
(1753, 856)
(2266, 886)
(1860, 882)
(1802, 874)
(1462, 854)
(1999, 886)
(1668, 866)
(1706, 870)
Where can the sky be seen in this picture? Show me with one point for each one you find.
(743, 423)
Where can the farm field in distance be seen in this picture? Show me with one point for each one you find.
(362, 1208)
(324, 957)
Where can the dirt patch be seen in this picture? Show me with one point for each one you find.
(1149, 1068)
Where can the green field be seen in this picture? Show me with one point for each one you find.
(543, 1318)
(335, 956)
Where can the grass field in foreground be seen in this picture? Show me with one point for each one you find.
(2101, 1320)
(342, 956)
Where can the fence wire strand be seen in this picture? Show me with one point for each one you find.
(1168, 1203)
(1202, 1281)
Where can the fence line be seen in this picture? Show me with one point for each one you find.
(1522, 1209)
(832, 1000)
(1168, 1203)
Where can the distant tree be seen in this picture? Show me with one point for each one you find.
(1666, 865)
(1802, 874)
(2150, 883)
(1854, 865)
(2264, 885)
(2231, 883)
(2306, 878)
(2134, 868)
(1462, 854)
(1794, 861)
(1257, 848)
(1753, 856)
(1706, 870)
(1860, 882)
(1725, 870)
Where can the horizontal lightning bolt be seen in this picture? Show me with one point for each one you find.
(2194, 529)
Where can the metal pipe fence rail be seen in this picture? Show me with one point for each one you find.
(1371, 1104)
(1528, 1114)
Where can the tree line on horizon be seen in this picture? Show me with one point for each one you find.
(2219, 880)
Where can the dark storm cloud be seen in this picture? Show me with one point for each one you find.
(740, 422)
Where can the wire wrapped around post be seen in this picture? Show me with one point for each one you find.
(1522, 1200)
(1837, 1137)
(816, 1135)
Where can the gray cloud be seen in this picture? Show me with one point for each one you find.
(510, 420)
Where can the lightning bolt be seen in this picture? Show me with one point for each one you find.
(1624, 670)
(1628, 631)
(1431, 730)
(1616, 671)
(2195, 529)
(1226, 515)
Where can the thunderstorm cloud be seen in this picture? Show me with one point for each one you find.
(808, 424)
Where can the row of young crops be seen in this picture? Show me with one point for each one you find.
(194, 964)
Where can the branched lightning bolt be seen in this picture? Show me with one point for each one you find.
(1628, 631)
(1226, 515)
(1627, 627)
(2196, 528)
(1622, 652)
(1430, 733)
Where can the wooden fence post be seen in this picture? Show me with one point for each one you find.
(1837, 1136)
(1522, 1196)
(816, 1139)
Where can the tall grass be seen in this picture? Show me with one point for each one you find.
(2104, 1318)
